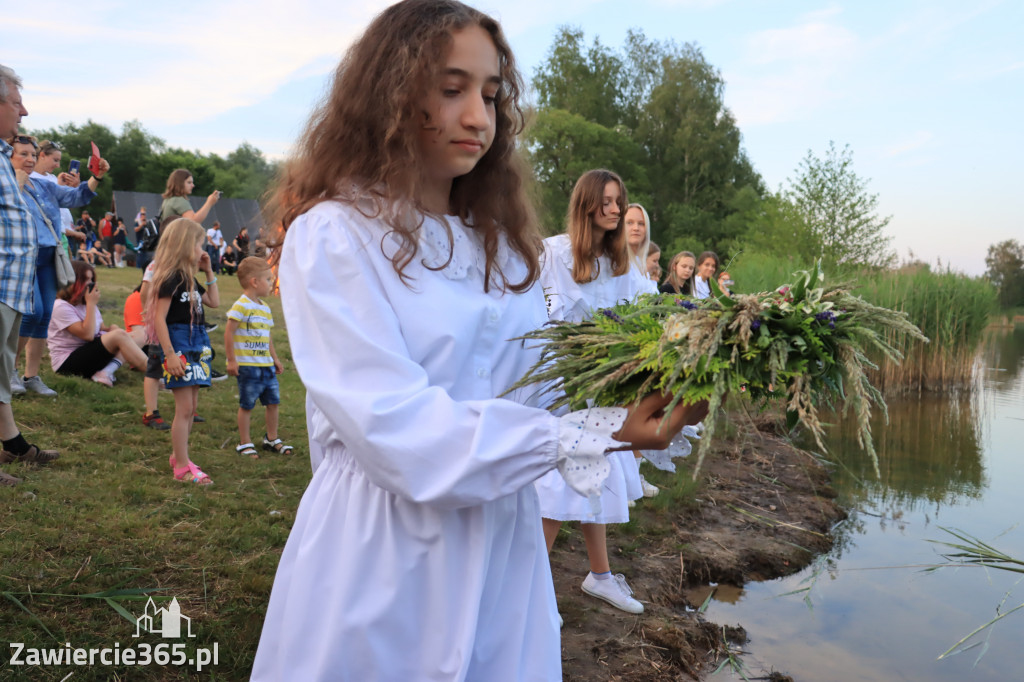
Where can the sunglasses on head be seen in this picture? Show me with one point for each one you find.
(24, 139)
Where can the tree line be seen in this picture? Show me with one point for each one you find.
(652, 111)
(141, 161)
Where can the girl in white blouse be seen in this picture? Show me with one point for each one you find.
(584, 270)
(707, 266)
(410, 258)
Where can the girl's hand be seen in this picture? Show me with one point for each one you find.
(104, 168)
(69, 179)
(641, 431)
(213, 198)
(278, 367)
(205, 265)
(92, 297)
(174, 366)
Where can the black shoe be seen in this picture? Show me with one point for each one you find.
(196, 419)
(211, 326)
(217, 376)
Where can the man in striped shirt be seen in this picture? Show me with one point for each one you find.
(17, 273)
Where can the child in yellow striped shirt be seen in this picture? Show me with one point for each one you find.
(251, 356)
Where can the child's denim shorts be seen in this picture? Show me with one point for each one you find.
(194, 343)
(257, 383)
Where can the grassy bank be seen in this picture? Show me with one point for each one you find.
(108, 515)
(951, 309)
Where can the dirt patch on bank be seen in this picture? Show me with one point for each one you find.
(762, 509)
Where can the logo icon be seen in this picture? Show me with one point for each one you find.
(170, 619)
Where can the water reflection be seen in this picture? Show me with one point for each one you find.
(867, 611)
(930, 453)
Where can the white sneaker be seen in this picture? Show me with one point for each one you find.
(614, 590)
(17, 387)
(631, 504)
(650, 490)
(36, 385)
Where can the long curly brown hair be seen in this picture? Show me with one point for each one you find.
(586, 200)
(362, 141)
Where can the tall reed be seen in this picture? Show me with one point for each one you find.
(951, 309)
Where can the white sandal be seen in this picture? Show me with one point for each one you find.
(247, 450)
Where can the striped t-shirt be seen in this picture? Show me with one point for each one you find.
(252, 338)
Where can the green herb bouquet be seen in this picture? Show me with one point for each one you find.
(804, 343)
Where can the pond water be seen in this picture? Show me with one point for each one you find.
(870, 610)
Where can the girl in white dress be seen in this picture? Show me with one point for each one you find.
(410, 258)
(707, 265)
(586, 269)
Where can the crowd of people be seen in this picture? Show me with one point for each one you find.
(50, 293)
(420, 547)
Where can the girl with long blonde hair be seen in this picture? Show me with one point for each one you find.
(176, 320)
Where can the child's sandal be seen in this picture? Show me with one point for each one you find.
(247, 450)
(276, 446)
(190, 472)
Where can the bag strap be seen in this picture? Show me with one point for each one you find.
(43, 213)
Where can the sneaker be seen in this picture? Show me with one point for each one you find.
(211, 326)
(155, 421)
(33, 456)
(17, 387)
(650, 490)
(631, 504)
(614, 590)
(217, 376)
(196, 419)
(36, 385)
(6, 480)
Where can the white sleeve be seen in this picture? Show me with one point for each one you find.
(408, 436)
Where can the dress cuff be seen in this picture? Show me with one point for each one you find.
(583, 439)
(679, 447)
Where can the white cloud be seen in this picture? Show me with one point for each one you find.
(917, 141)
(182, 67)
(789, 74)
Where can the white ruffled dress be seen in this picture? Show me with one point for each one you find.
(416, 551)
(572, 302)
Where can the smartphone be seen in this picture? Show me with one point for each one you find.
(74, 166)
(90, 286)
(219, 194)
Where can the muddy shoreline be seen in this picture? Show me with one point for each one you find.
(762, 509)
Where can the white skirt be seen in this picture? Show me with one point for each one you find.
(560, 502)
(373, 587)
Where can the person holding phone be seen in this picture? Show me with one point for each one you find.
(44, 200)
(80, 344)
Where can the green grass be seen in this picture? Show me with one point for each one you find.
(108, 514)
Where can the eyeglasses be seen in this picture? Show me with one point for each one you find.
(24, 139)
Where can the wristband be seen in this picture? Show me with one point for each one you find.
(211, 281)
(98, 178)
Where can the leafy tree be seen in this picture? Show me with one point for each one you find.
(1005, 263)
(589, 85)
(566, 145)
(654, 113)
(832, 202)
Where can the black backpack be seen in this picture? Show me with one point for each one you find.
(149, 236)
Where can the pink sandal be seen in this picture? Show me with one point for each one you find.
(190, 472)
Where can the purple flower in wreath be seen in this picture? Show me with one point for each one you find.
(827, 316)
(755, 325)
(611, 315)
(689, 305)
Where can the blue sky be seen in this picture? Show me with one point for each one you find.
(928, 94)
